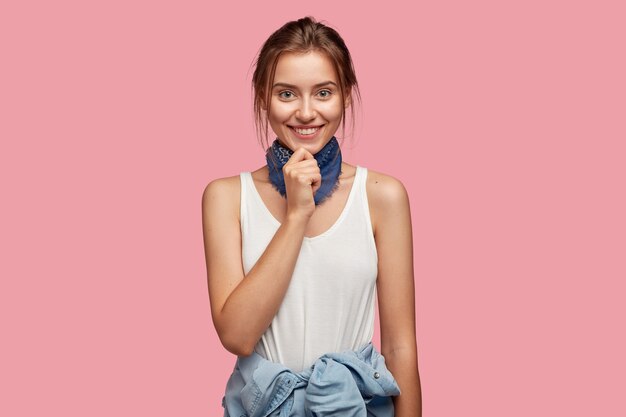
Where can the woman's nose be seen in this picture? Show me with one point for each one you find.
(306, 111)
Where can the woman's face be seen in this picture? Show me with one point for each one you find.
(306, 106)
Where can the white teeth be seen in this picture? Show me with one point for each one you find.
(306, 131)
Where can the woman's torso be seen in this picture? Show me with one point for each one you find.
(329, 304)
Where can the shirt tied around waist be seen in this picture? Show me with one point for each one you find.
(348, 383)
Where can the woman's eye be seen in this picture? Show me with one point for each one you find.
(328, 93)
(282, 94)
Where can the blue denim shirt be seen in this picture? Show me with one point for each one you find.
(348, 383)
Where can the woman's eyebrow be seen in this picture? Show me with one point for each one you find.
(322, 84)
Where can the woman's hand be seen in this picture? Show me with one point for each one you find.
(302, 180)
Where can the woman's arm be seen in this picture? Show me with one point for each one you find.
(242, 309)
(396, 291)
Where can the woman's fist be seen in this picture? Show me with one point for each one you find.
(302, 180)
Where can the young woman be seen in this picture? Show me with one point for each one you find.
(298, 250)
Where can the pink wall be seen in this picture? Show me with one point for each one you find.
(505, 122)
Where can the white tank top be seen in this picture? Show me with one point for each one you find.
(329, 304)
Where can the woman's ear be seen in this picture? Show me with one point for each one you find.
(348, 99)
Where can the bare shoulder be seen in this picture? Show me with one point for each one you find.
(387, 196)
(222, 193)
(384, 188)
(223, 185)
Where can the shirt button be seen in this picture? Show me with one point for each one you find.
(376, 375)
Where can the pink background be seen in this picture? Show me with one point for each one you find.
(504, 120)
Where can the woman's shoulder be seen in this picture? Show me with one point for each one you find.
(222, 191)
(229, 188)
(223, 184)
(384, 188)
(386, 195)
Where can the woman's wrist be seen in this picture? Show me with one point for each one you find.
(297, 218)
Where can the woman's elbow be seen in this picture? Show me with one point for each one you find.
(235, 344)
(238, 349)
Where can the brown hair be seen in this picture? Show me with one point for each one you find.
(301, 36)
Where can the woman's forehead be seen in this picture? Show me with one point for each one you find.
(305, 69)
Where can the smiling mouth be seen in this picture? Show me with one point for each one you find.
(306, 131)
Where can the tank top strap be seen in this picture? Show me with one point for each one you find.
(361, 178)
(244, 196)
(252, 207)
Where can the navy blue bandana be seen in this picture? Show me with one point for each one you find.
(328, 160)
